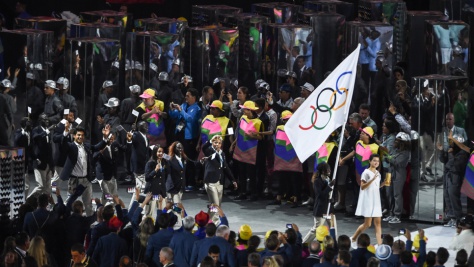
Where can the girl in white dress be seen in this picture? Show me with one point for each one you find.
(369, 204)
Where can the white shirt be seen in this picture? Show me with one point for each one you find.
(47, 134)
(80, 169)
(180, 161)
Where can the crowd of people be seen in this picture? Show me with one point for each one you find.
(171, 138)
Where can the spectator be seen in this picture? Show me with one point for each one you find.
(343, 258)
(9, 259)
(78, 255)
(22, 241)
(272, 247)
(253, 260)
(442, 256)
(111, 247)
(361, 255)
(167, 257)
(101, 229)
(243, 256)
(364, 112)
(464, 237)
(182, 243)
(313, 258)
(159, 240)
(382, 253)
(37, 250)
(226, 255)
(461, 258)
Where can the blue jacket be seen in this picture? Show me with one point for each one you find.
(109, 250)
(191, 116)
(394, 259)
(201, 250)
(156, 242)
(360, 256)
(182, 245)
(326, 264)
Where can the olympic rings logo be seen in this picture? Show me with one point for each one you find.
(330, 107)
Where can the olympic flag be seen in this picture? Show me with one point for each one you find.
(325, 109)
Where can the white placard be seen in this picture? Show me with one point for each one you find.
(78, 121)
(63, 121)
(29, 110)
(135, 113)
(230, 131)
(66, 111)
(425, 83)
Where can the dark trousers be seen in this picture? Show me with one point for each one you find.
(189, 146)
(452, 195)
(247, 172)
(290, 183)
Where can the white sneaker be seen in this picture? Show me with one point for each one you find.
(386, 219)
(95, 181)
(353, 243)
(451, 223)
(394, 219)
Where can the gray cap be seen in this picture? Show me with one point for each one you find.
(308, 87)
(291, 74)
(112, 103)
(64, 82)
(163, 76)
(107, 84)
(6, 83)
(177, 62)
(135, 88)
(190, 79)
(138, 66)
(30, 76)
(50, 84)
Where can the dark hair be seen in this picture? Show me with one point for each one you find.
(345, 256)
(233, 239)
(461, 257)
(43, 200)
(207, 262)
(356, 117)
(211, 229)
(431, 258)
(108, 212)
(214, 249)
(322, 167)
(373, 262)
(205, 89)
(78, 129)
(30, 261)
(399, 70)
(78, 247)
(244, 90)
(77, 207)
(364, 106)
(21, 238)
(442, 255)
(387, 239)
(374, 156)
(406, 257)
(163, 220)
(154, 151)
(364, 239)
(193, 92)
(291, 236)
(260, 102)
(329, 254)
(391, 125)
(9, 243)
(254, 259)
(253, 243)
(344, 242)
(272, 242)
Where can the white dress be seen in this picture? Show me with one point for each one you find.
(369, 204)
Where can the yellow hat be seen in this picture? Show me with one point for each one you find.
(249, 105)
(416, 241)
(148, 93)
(267, 234)
(217, 104)
(369, 131)
(245, 232)
(286, 115)
(371, 248)
(321, 232)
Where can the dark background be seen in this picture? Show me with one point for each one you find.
(170, 8)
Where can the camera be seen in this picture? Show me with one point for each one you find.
(176, 208)
(288, 225)
(402, 232)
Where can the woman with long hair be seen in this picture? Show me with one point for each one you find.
(177, 164)
(369, 204)
(38, 251)
(157, 170)
(9, 259)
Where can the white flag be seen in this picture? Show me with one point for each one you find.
(325, 109)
